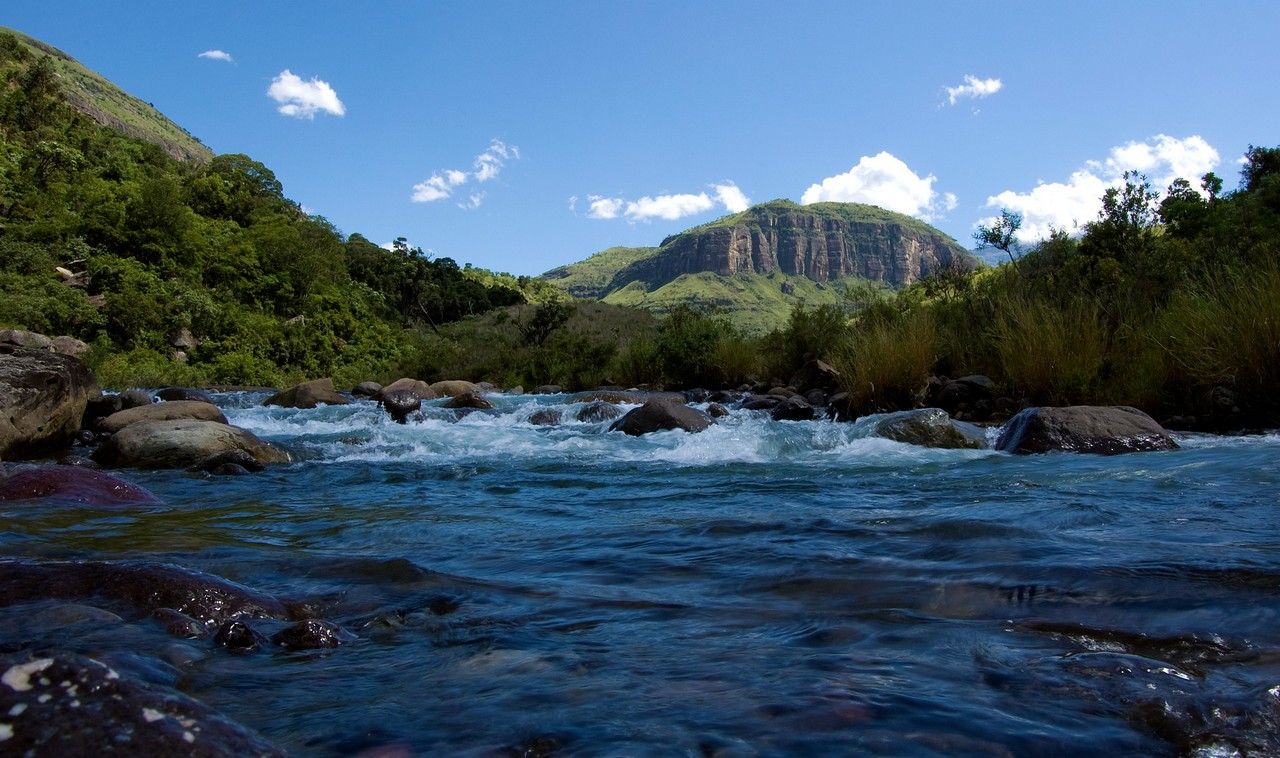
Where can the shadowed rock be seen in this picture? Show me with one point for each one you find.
(311, 634)
(170, 394)
(545, 417)
(72, 483)
(659, 414)
(170, 411)
(816, 375)
(230, 458)
(238, 637)
(65, 704)
(793, 409)
(181, 444)
(308, 395)
(366, 389)
(928, 427)
(43, 396)
(1104, 430)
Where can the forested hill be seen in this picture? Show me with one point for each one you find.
(191, 269)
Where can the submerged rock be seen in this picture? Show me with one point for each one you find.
(74, 483)
(43, 396)
(308, 395)
(238, 637)
(658, 414)
(169, 411)
(545, 417)
(238, 458)
(928, 427)
(66, 704)
(1104, 430)
(311, 634)
(181, 444)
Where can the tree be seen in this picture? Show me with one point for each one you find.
(1002, 235)
(1260, 163)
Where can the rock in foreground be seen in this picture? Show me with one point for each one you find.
(73, 483)
(1104, 430)
(42, 399)
(659, 414)
(181, 444)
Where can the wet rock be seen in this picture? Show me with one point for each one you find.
(64, 615)
(238, 637)
(816, 398)
(24, 339)
(170, 394)
(545, 417)
(782, 392)
(134, 399)
(454, 388)
(816, 375)
(840, 407)
(716, 410)
(696, 395)
(659, 414)
(179, 624)
(136, 587)
(547, 389)
(400, 403)
(628, 397)
(238, 458)
(473, 400)
(171, 411)
(229, 469)
(70, 346)
(724, 396)
(928, 427)
(1103, 430)
(308, 395)
(76, 460)
(181, 444)
(793, 409)
(72, 483)
(43, 396)
(312, 634)
(415, 387)
(65, 704)
(366, 389)
(761, 403)
(597, 411)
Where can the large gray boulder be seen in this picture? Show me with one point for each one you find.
(658, 414)
(928, 427)
(417, 387)
(42, 399)
(170, 411)
(1104, 430)
(308, 395)
(181, 444)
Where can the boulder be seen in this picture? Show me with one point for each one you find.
(716, 410)
(22, 338)
(43, 396)
(70, 346)
(794, 408)
(453, 388)
(71, 483)
(307, 395)
(416, 387)
(597, 411)
(169, 394)
(628, 397)
(816, 375)
(134, 399)
(67, 704)
(658, 414)
(761, 403)
(840, 407)
(1105, 430)
(310, 634)
(171, 411)
(473, 400)
(400, 403)
(928, 427)
(181, 443)
(366, 389)
(240, 459)
(545, 417)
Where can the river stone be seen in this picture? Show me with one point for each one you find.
(794, 408)
(454, 388)
(134, 399)
(170, 411)
(366, 389)
(545, 417)
(658, 414)
(1104, 430)
(469, 400)
(308, 395)
(67, 704)
(238, 637)
(74, 483)
(136, 586)
(628, 397)
(716, 410)
(311, 634)
(170, 394)
(547, 389)
(181, 444)
(597, 411)
(400, 403)
(927, 427)
(43, 396)
(417, 387)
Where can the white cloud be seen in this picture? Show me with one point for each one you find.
(667, 207)
(973, 87)
(487, 166)
(1066, 205)
(303, 99)
(883, 180)
(217, 55)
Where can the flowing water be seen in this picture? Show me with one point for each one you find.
(759, 588)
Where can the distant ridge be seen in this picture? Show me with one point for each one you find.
(105, 103)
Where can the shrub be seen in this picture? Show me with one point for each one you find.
(1052, 354)
(887, 358)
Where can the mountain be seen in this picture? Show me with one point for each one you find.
(91, 94)
(756, 264)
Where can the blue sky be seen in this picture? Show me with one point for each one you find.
(536, 133)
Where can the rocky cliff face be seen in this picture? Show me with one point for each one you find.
(819, 243)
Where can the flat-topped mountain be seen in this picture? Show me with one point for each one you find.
(801, 251)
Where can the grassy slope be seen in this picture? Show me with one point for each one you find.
(590, 278)
(753, 302)
(107, 104)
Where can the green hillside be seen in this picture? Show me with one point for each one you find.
(850, 213)
(591, 279)
(104, 102)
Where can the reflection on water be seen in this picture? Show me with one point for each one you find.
(761, 587)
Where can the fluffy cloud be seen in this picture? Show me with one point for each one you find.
(666, 207)
(1066, 205)
(973, 87)
(487, 165)
(217, 55)
(886, 181)
(304, 99)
